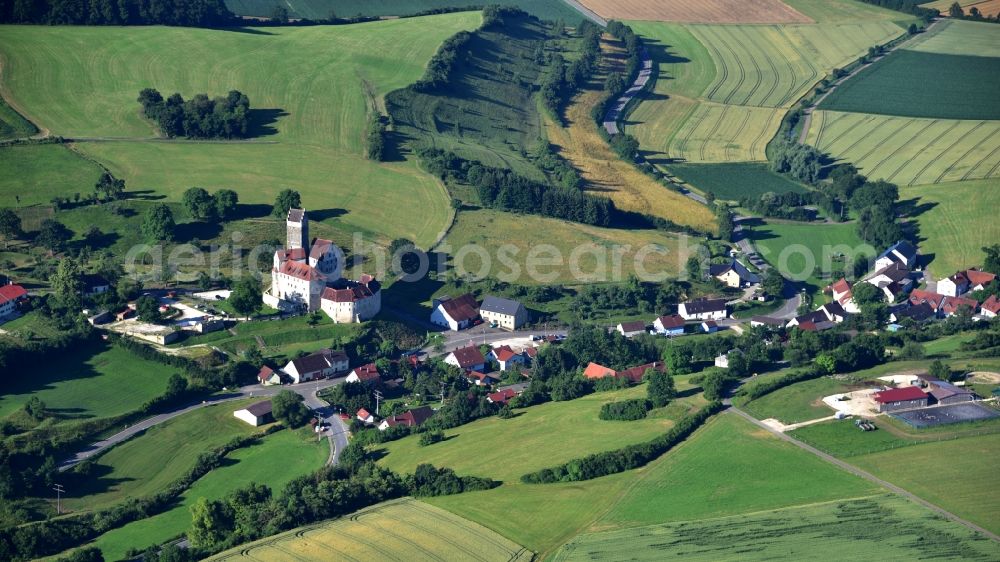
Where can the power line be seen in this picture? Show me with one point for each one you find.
(59, 492)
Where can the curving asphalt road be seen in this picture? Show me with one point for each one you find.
(615, 111)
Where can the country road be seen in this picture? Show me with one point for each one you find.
(863, 474)
(614, 113)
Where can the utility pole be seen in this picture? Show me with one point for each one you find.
(59, 492)
(442, 394)
(378, 400)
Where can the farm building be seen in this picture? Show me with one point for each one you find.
(455, 313)
(704, 309)
(905, 398)
(632, 329)
(943, 392)
(595, 371)
(256, 414)
(672, 325)
(902, 253)
(505, 313)
(412, 418)
(322, 363)
(467, 358)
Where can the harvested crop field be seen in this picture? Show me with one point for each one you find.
(909, 151)
(398, 530)
(698, 11)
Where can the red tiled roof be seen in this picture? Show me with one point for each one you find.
(634, 374)
(531, 351)
(672, 321)
(301, 271)
(363, 414)
(411, 418)
(980, 277)
(292, 254)
(900, 394)
(354, 292)
(468, 356)
(918, 296)
(501, 397)
(462, 308)
(950, 305)
(367, 372)
(628, 327)
(504, 353)
(265, 373)
(841, 286)
(959, 278)
(992, 304)
(319, 248)
(595, 371)
(12, 293)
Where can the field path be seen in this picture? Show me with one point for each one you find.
(863, 474)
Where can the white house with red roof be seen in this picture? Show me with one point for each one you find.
(365, 416)
(455, 313)
(10, 295)
(506, 357)
(352, 301)
(365, 374)
(841, 292)
(268, 376)
(962, 282)
(990, 308)
(467, 358)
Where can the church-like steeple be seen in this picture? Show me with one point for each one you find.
(297, 228)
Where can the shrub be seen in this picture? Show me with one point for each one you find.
(625, 410)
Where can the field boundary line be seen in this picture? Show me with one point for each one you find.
(777, 76)
(730, 145)
(867, 475)
(711, 133)
(713, 52)
(763, 134)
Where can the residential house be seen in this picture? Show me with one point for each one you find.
(813, 326)
(833, 312)
(10, 296)
(467, 358)
(905, 398)
(455, 313)
(766, 321)
(595, 371)
(951, 305)
(672, 325)
(634, 374)
(917, 313)
(733, 274)
(365, 416)
(505, 393)
(94, 284)
(268, 376)
(412, 418)
(991, 307)
(892, 281)
(481, 379)
(632, 329)
(814, 316)
(841, 292)
(962, 282)
(722, 361)
(505, 313)
(317, 365)
(506, 357)
(901, 252)
(934, 300)
(979, 280)
(365, 374)
(709, 327)
(704, 309)
(256, 414)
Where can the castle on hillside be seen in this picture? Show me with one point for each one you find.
(309, 277)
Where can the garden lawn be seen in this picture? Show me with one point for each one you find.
(92, 381)
(922, 84)
(299, 454)
(311, 87)
(37, 173)
(735, 181)
(797, 402)
(958, 223)
(809, 252)
(952, 474)
(146, 464)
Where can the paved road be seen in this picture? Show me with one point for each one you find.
(863, 474)
(479, 336)
(588, 13)
(337, 434)
(615, 111)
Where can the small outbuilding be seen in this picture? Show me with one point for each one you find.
(256, 414)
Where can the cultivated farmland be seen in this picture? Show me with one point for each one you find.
(842, 11)
(735, 180)
(954, 37)
(944, 225)
(701, 11)
(985, 7)
(321, 9)
(880, 527)
(719, 133)
(923, 84)
(311, 86)
(908, 150)
(396, 530)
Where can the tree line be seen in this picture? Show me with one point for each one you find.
(563, 80)
(200, 117)
(189, 13)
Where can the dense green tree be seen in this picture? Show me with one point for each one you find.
(725, 221)
(866, 293)
(211, 523)
(246, 296)
(287, 199)
(10, 226)
(67, 284)
(158, 223)
(956, 11)
(693, 268)
(199, 204)
(226, 203)
(660, 388)
(773, 283)
(109, 188)
(53, 235)
(148, 309)
(289, 409)
(678, 360)
(939, 370)
(991, 262)
(86, 554)
(912, 351)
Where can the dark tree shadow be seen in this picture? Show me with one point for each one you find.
(145, 195)
(324, 214)
(262, 121)
(252, 211)
(188, 231)
(247, 30)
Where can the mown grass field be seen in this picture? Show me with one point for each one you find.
(923, 84)
(312, 86)
(93, 382)
(883, 527)
(149, 462)
(12, 125)
(590, 248)
(37, 173)
(806, 252)
(955, 37)
(605, 173)
(389, 531)
(319, 9)
(945, 228)
(299, 454)
(799, 402)
(952, 474)
(909, 150)
(735, 180)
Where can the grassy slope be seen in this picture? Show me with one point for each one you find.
(945, 227)
(147, 463)
(798, 249)
(315, 9)
(956, 484)
(318, 81)
(606, 173)
(923, 84)
(37, 173)
(99, 381)
(403, 528)
(299, 452)
(492, 230)
(880, 527)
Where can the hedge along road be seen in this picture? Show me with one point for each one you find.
(337, 434)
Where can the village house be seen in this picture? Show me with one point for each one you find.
(722, 361)
(816, 320)
(893, 280)
(672, 325)
(268, 376)
(964, 281)
(10, 296)
(317, 365)
(833, 312)
(595, 371)
(934, 300)
(733, 274)
(841, 292)
(455, 313)
(412, 418)
(94, 284)
(952, 305)
(506, 357)
(634, 374)
(481, 379)
(505, 313)
(917, 313)
(905, 398)
(365, 374)
(504, 394)
(704, 309)
(365, 416)
(991, 307)
(709, 327)
(632, 329)
(256, 414)
(902, 253)
(467, 358)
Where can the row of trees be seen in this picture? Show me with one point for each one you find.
(201, 205)
(200, 117)
(190, 13)
(564, 79)
(440, 68)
